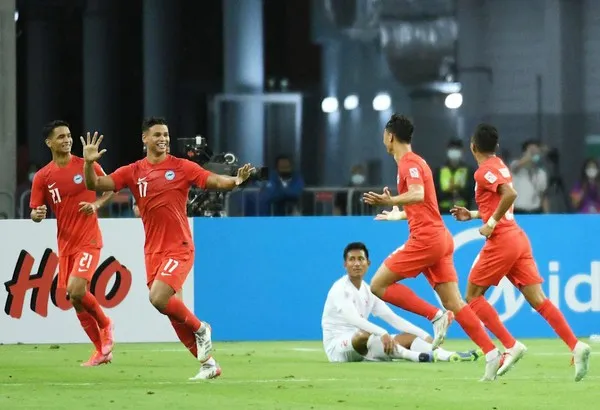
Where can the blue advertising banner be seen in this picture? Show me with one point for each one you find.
(267, 278)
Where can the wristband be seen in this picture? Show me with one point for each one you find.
(474, 214)
(492, 222)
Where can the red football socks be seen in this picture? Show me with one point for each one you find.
(558, 322)
(178, 312)
(467, 319)
(401, 296)
(186, 336)
(89, 324)
(91, 305)
(491, 320)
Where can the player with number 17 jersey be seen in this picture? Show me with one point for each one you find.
(161, 193)
(507, 251)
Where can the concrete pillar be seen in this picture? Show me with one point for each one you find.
(159, 18)
(43, 75)
(244, 73)
(101, 77)
(8, 109)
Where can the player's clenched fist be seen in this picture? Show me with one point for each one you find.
(90, 147)
(39, 213)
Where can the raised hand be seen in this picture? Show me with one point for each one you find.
(394, 215)
(90, 147)
(373, 198)
(244, 173)
(460, 213)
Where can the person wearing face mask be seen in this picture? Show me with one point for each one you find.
(530, 180)
(585, 195)
(358, 179)
(283, 192)
(454, 182)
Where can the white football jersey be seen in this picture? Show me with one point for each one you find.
(344, 295)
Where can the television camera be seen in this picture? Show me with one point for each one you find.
(212, 203)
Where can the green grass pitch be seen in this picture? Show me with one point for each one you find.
(284, 375)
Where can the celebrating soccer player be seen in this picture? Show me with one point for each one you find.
(507, 252)
(160, 184)
(429, 247)
(60, 184)
(348, 336)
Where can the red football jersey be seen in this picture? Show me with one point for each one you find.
(161, 194)
(424, 218)
(63, 189)
(491, 174)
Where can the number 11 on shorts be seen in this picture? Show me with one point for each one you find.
(170, 266)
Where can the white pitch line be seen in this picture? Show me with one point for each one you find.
(288, 380)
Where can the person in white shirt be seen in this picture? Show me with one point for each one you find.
(530, 180)
(348, 336)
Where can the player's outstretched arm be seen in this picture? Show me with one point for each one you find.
(227, 183)
(97, 183)
(462, 214)
(394, 215)
(414, 195)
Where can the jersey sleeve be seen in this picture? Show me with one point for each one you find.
(347, 310)
(122, 177)
(195, 174)
(490, 179)
(37, 191)
(99, 171)
(412, 173)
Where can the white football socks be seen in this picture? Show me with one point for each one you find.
(420, 345)
(375, 347)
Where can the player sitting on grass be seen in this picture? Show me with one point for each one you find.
(348, 336)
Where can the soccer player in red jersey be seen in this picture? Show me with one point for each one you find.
(60, 184)
(507, 252)
(429, 248)
(160, 184)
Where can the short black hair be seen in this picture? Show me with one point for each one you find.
(400, 127)
(356, 246)
(529, 143)
(485, 138)
(152, 121)
(51, 126)
(455, 143)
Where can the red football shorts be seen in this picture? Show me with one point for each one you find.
(82, 264)
(506, 254)
(431, 256)
(171, 268)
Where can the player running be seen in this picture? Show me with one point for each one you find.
(348, 336)
(160, 184)
(507, 252)
(429, 248)
(60, 184)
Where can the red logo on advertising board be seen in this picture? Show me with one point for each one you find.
(44, 285)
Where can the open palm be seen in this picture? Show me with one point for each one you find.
(90, 147)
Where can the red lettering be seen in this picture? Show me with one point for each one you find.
(22, 281)
(44, 285)
(120, 288)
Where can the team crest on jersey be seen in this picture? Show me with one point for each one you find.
(170, 175)
(78, 179)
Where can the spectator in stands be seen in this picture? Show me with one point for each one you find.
(454, 181)
(282, 193)
(358, 179)
(585, 195)
(530, 180)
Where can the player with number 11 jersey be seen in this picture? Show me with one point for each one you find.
(507, 252)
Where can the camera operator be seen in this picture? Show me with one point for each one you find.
(530, 180)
